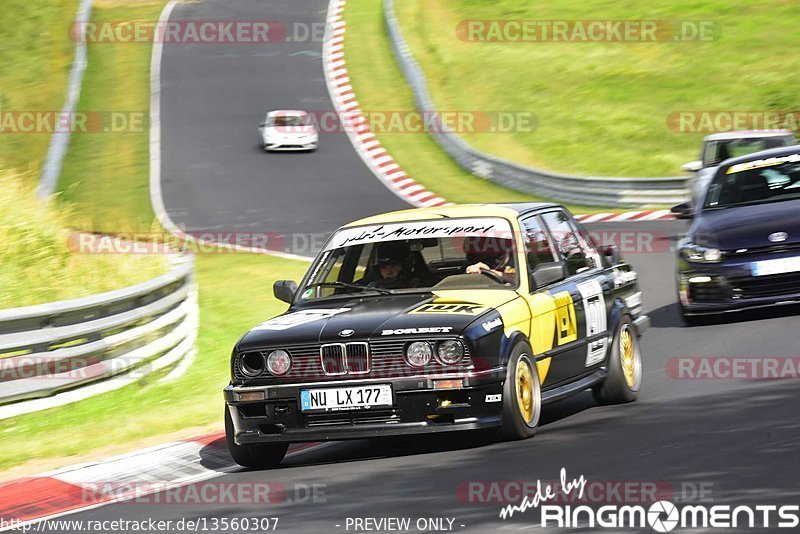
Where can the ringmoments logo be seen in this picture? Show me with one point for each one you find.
(660, 516)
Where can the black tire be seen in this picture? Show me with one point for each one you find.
(521, 385)
(624, 368)
(261, 455)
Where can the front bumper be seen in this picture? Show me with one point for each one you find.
(730, 286)
(418, 409)
(641, 323)
(287, 145)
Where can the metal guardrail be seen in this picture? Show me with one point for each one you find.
(586, 190)
(57, 353)
(59, 141)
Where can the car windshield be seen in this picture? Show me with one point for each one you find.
(756, 182)
(418, 256)
(719, 151)
(288, 120)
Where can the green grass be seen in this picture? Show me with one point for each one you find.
(99, 166)
(379, 86)
(106, 185)
(38, 263)
(603, 107)
(35, 56)
(234, 296)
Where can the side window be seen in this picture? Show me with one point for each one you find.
(588, 244)
(537, 244)
(341, 265)
(567, 242)
(710, 154)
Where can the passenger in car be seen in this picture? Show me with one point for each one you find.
(490, 254)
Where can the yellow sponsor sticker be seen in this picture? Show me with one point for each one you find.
(761, 163)
(457, 308)
(566, 323)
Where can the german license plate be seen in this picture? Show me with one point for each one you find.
(348, 398)
(778, 266)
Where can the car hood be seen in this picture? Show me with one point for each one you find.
(289, 132)
(747, 226)
(376, 317)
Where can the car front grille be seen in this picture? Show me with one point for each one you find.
(334, 359)
(353, 417)
(344, 358)
(331, 361)
(771, 249)
(766, 286)
(358, 358)
(707, 291)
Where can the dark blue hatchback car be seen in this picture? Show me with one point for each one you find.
(743, 247)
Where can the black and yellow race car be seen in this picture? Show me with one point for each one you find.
(434, 320)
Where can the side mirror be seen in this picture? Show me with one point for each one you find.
(263, 124)
(284, 290)
(692, 166)
(611, 254)
(683, 211)
(547, 273)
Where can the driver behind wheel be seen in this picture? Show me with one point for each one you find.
(490, 254)
(391, 266)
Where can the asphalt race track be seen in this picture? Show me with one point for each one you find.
(214, 176)
(736, 439)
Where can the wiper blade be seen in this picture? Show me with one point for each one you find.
(353, 286)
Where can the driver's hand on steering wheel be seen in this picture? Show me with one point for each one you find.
(476, 268)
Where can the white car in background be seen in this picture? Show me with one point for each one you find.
(718, 147)
(287, 130)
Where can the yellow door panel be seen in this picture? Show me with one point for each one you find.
(553, 322)
(540, 328)
(543, 321)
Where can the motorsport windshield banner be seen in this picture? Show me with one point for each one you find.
(472, 227)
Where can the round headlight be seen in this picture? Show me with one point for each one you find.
(419, 353)
(279, 362)
(251, 363)
(449, 351)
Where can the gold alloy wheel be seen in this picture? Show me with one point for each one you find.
(629, 358)
(528, 397)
